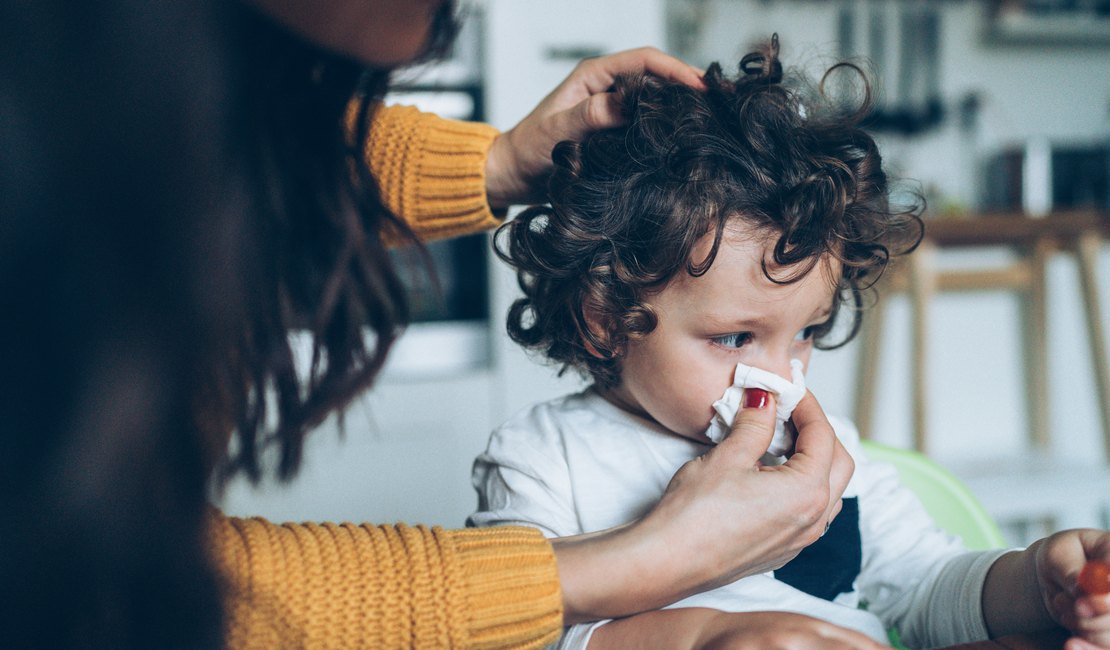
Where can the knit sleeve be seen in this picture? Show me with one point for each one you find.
(431, 170)
(348, 586)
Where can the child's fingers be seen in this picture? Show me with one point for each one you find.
(1076, 643)
(1084, 614)
(1096, 639)
(1098, 606)
(753, 427)
(1089, 616)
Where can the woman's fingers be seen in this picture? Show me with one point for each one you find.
(594, 113)
(817, 448)
(520, 158)
(583, 102)
(819, 454)
(816, 441)
(597, 74)
(752, 429)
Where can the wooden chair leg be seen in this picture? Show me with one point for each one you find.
(1088, 249)
(1035, 323)
(923, 285)
(867, 365)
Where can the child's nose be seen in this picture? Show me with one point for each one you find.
(783, 370)
(778, 364)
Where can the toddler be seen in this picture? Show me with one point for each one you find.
(702, 251)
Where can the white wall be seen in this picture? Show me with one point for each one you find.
(409, 444)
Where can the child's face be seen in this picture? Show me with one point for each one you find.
(706, 325)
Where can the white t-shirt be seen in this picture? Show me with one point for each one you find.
(579, 464)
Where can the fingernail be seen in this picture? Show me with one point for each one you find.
(755, 398)
(1084, 609)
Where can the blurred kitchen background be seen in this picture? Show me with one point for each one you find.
(988, 106)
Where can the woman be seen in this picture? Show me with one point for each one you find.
(183, 183)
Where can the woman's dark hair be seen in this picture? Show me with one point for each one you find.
(177, 192)
(629, 204)
(313, 256)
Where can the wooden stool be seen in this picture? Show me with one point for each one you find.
(1080, 233)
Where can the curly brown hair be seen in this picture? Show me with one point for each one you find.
(629, 204)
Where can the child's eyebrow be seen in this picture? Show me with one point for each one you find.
(758, 323)
(740, 322)
(822, 314)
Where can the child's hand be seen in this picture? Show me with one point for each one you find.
(1060, 560)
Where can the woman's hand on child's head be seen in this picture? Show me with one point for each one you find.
(521, 157)
(1059, 561)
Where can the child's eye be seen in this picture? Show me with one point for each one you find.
(737, 340)
(812, 332)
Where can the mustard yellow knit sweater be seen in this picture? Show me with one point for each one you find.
(351, 586)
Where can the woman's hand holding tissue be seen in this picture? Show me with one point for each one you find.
(723, 516)
(794, 501)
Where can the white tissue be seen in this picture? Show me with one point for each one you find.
(787, 396)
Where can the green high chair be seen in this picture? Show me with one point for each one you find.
(945, 497)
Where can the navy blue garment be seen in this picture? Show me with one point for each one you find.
(829, 566)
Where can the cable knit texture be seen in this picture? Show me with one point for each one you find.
(432, 171)
(347, 586)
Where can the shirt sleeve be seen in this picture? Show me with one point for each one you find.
(431, 171)
(522, 479)
(317, 585)
(916, 577)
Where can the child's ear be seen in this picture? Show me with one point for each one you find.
(595, 335)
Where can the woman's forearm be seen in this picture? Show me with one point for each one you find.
(677, 629)
(696, 628)
(618, 572)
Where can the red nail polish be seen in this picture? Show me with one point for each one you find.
(755, 398)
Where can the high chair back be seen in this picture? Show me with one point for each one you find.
(945, 497)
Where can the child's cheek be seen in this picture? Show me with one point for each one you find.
(803, 355)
